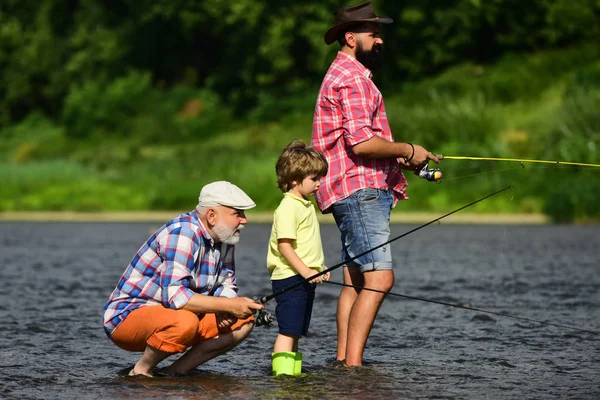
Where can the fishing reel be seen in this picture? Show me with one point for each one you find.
(431, 174)
(263, 318)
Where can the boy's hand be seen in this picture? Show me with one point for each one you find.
(325, 276)
(318, 279)
(312, 272)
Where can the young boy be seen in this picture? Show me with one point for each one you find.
(295, 251)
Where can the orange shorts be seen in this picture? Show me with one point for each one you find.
(168, 330)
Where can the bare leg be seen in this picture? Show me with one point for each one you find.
(209, 349)
(363, 312)
(285, 343)
(149, 360)
(352, 276)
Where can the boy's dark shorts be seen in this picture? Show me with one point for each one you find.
(294, 307)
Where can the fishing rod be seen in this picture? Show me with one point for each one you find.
(465, 307)
(521, 161)
(435, 174)
(265, 299)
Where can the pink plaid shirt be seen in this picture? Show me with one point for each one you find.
(350, 111)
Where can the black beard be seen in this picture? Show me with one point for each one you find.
(372, 59)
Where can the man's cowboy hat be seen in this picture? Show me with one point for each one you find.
(363, 12)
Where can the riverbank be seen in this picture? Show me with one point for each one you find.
(266, 217)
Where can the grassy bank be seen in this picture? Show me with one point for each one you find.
(266, 217)
(538, 106)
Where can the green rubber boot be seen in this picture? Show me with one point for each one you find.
(284, 363)
(298, 364)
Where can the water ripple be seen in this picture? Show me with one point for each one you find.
(52, 344)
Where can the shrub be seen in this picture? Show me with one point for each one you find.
(443, 119)
(33, 138)
(130, 107)
(575, 135)
(576, 198)
(106, 107)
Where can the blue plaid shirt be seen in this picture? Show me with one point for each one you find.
(177, 261)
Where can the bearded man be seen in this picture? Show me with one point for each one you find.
(364, 181)
(180, 292)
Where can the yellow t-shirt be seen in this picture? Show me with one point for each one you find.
(295, 218)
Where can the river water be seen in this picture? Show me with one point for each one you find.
(56, 278)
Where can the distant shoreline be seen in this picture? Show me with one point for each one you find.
(265, 217)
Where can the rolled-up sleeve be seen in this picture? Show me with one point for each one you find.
(358, 109)
(177, 251)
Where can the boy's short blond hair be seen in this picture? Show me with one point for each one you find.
(296, 162)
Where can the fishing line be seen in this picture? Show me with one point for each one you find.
(521, 161)
(465, 307)
(436, 175)
(265, 299)
(481, 173)
(544, 167)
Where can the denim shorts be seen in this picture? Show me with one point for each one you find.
(294, 307)
(363, 218)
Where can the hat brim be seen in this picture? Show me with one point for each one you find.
(246, 206)
(331, 34)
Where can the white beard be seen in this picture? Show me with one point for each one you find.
(227, 235)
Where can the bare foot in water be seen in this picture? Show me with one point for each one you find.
(133, 372)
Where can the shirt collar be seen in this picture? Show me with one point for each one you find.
(361, 68)
(300, 199)
(203, 230)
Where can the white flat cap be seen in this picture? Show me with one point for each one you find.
(223, 193)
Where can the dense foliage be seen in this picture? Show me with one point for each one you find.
(249, 51)
(133, 104)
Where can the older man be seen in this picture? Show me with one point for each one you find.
(365, 180)
(179, 290)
